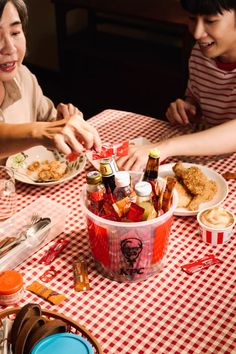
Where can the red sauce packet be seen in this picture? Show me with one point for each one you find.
(49, 274)
(53, 252)
(200, 264)
(108, 150)
(72, 156)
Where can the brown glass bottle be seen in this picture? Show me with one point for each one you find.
(152, 167)
(108, 170)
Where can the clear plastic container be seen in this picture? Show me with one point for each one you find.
(128, 251)
(43, 207)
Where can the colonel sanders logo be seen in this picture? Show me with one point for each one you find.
(131, 249)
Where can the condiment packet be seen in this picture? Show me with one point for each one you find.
(229, 175)
(168, 193)
(72, 156)
(200, 264)
(135, 213)
(53, 252)
(122, 206)
(48, 275)
(46, 293)
(81, 281)
(108, 150)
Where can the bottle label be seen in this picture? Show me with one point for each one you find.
(108, 168)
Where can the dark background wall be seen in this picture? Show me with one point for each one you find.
(134, 66)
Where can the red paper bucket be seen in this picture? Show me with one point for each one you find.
(128, 251)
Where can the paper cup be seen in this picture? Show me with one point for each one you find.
(215, 235)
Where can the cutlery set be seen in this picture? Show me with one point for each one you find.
(27, 232)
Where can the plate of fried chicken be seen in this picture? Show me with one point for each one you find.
(198, 186)
(42, 167)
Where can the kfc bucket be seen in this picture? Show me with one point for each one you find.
(128, 251)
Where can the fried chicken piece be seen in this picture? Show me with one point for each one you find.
(193, 178)
(208, 193)
(184, 197)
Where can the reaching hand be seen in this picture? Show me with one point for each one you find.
(67, 110)
(77, 135)
(181, 112)
(137, 158)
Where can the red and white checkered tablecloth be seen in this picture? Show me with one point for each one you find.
(171, 312)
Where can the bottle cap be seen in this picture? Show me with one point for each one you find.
(122, 179)
(94, 177)
(155, 153)
(62, 343)
(11, 281)
(143, 189)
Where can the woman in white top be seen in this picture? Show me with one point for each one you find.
(27, 117)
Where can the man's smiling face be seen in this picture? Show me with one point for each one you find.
(215, 34)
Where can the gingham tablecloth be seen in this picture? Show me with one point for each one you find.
(171, 312)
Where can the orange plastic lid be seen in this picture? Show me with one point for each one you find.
(10, 282)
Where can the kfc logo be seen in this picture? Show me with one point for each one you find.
(131, 249)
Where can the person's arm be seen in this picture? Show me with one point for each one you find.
(18, 137)
(65, 135)
(214, 141)
(181, 111)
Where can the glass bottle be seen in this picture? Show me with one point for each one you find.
(108, 169)
(151, 170)
(123, 188)
(144, 191)
(95, 191)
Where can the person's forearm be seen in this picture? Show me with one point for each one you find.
(214, 141)
(15, 138)
(18, 137)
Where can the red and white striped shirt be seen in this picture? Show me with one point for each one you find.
(213, 87)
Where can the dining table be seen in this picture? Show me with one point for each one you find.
(170, 312)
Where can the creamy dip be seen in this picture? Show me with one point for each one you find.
(217, 218)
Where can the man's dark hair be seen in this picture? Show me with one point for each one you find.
(21, 9)
(208, 7)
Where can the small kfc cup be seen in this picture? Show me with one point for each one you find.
(216, 225)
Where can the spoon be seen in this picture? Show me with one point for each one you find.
(29, 233)
(39, 225)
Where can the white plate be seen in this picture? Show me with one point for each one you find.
(137, 141)
(222, 187)
(20, 161)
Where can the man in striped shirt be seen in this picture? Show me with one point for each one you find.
(211, 91)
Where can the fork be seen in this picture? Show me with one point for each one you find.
(14, 241)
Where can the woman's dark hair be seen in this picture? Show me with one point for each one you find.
(21, 9)
(208, 7)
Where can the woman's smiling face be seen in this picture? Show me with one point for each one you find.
(12, 42)
(215, 34)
